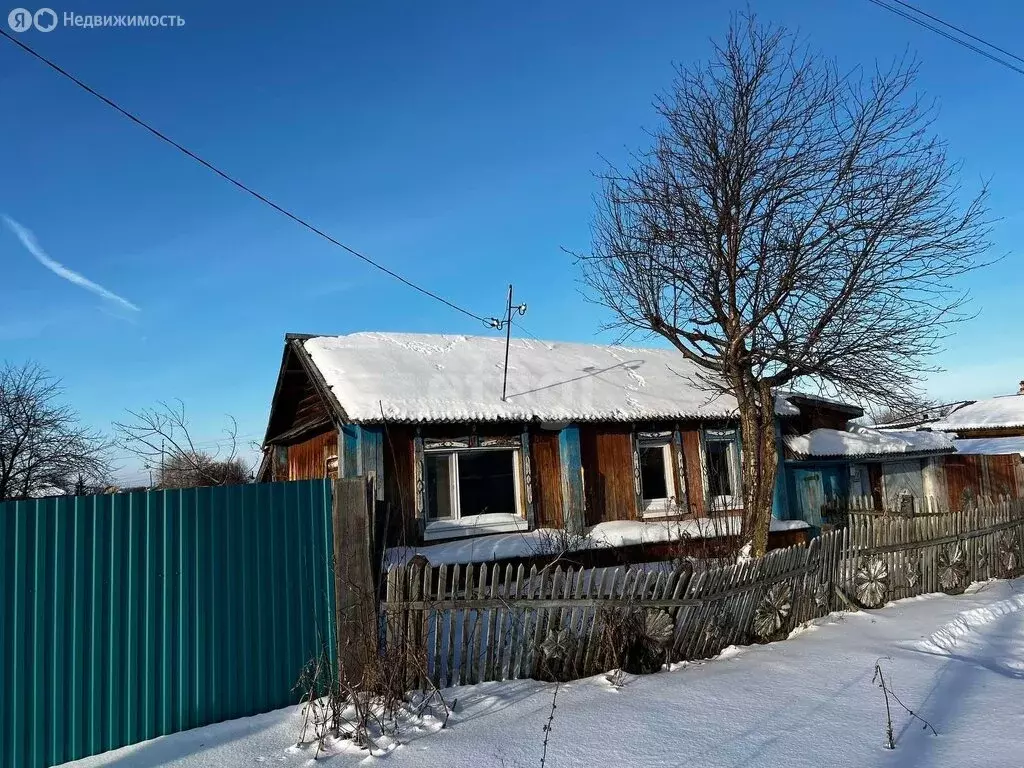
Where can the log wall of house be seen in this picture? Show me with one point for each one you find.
(308, 459)
(546, 471)
(606, 451)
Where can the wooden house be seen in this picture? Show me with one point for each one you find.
(989, 442)
(895, 469)
(941, 461)
(587, 434)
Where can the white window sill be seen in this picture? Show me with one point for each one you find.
(474, 525)
(722, 503)
(654, 508)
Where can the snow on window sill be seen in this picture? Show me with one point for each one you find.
(655, 508)
(474, 525)
(725, 503)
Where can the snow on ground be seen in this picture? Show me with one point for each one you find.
(865, 441)
(808, 701)
(550, 541)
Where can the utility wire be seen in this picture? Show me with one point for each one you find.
(948, 36)
(961, 30)
(490, 322)
(519, 324)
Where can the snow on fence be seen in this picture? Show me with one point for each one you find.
(472, 623)
(463, 624)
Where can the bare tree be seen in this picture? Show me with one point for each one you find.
(182, 470)
(914, 410)
(790, 223)
(42, 443)
(161, 438)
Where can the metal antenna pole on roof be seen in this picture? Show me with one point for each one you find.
(521, 309)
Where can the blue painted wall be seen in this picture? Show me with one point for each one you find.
(781, 509)
(572, 478)
(350, 464)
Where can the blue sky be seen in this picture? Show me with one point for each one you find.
(455, 142)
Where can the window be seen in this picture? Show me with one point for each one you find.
(722, 468)
(654, 467)
(471, 491)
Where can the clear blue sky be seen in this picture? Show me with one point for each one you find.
(453, 141)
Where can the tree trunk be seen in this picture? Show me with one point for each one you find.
(760, 463)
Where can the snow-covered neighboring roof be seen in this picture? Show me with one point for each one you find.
(547, 541)
(995, 412)
(990, 446)
(435, 378)
(864, 441)
(45, 491)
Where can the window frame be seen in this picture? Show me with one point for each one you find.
(657, 507)
(459, 525)
(731, 437)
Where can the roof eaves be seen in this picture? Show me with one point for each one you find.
(890, 456)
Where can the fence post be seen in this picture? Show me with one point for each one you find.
(355, 586)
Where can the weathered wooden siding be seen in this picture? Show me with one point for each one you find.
(969, 478)
(903, 478)
(1002, 477)
(818, 417)
(694, 472)
(607, 454)
(307, 460)
(547, 479)
(399, 485)
(298, 406)
(991, 432)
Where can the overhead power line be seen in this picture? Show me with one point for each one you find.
(906, 14)
(490, 322)
(961, 30)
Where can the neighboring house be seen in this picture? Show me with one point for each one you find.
(946, 459)
(896, 469)
(587, 434)
(990, 446)
(994, 417)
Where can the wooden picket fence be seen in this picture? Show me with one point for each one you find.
(868, 505)
(472, 623)
(463, 624)
(892, 557)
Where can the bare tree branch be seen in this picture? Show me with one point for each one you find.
(789, 222)
(161, 438)
(41, 441)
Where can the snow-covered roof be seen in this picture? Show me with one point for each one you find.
(995, 412)
(863, 442)
(990, 446)
(45, 491)
(432, 378)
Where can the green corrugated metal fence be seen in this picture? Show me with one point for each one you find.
(128, 616)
